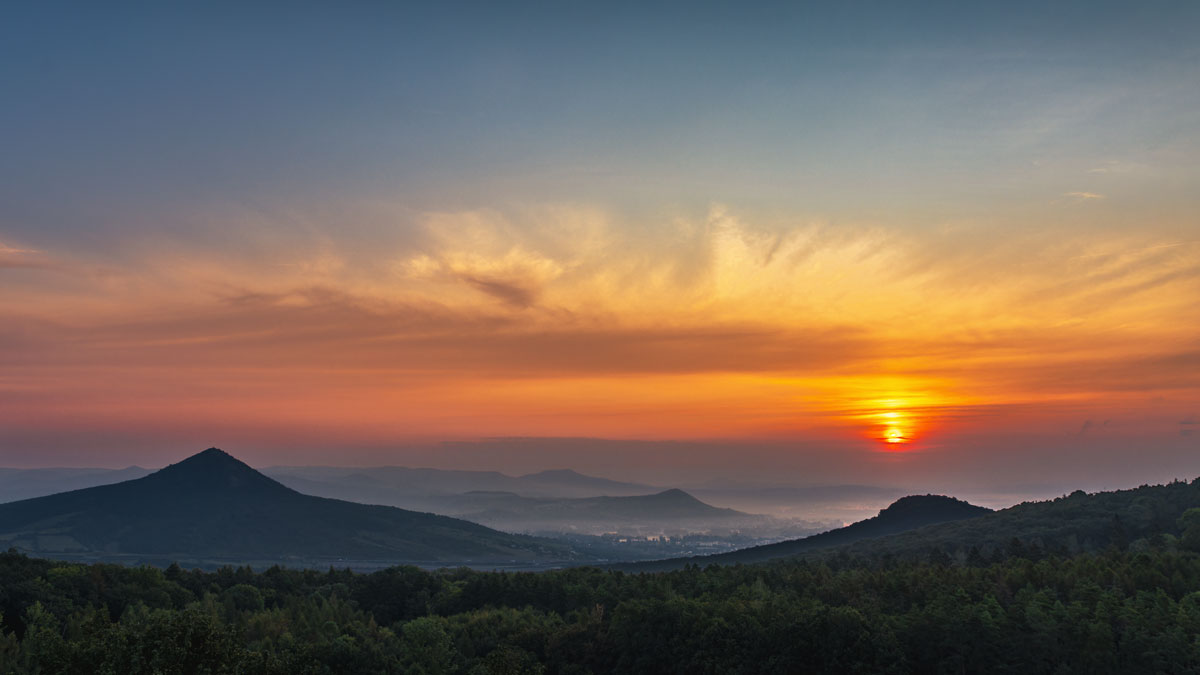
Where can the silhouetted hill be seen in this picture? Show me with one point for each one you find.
(214, 506)
(1074, 523)
(672, 503)
(907, 513)
(667, 511)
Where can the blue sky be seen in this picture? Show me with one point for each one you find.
(115, 113)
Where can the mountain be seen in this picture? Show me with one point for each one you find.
(407, 487)
(668, 504)
(554, 501)
(18, 484)
(669, 511)
(1071, 524)
(568, 478)
(907, 513)
(212, 506)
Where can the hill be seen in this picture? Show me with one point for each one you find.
(212, 506)
(411, 488)
(1139, 518)
(907, 513)
(558, 479)
(666, 511)
(1071, 524)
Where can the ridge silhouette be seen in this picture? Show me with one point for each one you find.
(213, 506)
(904, 514)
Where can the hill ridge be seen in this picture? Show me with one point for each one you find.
(904, 514)
(212, 505)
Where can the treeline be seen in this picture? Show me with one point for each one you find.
(1104, 583)
(1072, 524)
(1117, 612)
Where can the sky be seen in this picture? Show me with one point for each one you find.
(930, 244)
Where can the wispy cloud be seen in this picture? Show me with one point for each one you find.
(1118, 167)
(9, 250)
(708, 324)
(1083, 196)
(13, 258)
(508, 292)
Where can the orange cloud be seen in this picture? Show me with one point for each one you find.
(570, 321)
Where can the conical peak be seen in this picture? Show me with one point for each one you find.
(213, 457)
(215, 469)
(213, 453)
(675, 494)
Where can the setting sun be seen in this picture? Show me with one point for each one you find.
(891, 421)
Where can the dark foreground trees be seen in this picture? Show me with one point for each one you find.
(1106, 583)
(1116, 612)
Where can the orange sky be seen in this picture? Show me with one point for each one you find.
(564, 321)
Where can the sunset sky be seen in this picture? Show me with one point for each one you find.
(937, 244)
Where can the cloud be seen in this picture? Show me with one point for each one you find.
(9, 250)
(1092, 282)
(329, 329)
(1118, 167)
(1083, 196)
(703, 323)
(508, 292)
(516, 278)
(487, 252)
(12, 257)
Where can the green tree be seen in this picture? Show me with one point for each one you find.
(427, 647)
(1189, 522)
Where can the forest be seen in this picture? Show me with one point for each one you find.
(1115, 603)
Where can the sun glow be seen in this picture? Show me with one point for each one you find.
(892, 422)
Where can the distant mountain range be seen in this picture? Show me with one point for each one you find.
(559, 501)
(402, 486)
(669, 511)
(798, 507)
(907, 513)
(379, 485)
(212, 506)
(554, 501)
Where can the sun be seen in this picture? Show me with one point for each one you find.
(894, 418)
(894, 425)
